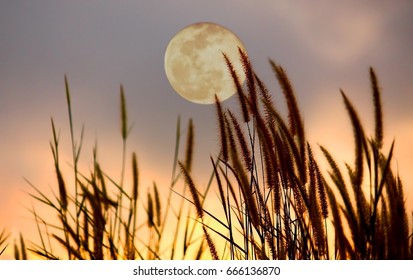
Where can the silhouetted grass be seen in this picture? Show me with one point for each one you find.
(376, 216)
(284, 201)
(3, 240)
(276, 202)
(281, 204)
(102, 218)
(279, 208)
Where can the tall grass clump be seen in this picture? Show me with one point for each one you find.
(271, 189)
(99, 217)
(277, 203)
(372, 201)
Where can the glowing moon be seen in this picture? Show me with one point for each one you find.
(195, 66)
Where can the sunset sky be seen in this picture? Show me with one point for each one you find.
(324, 46)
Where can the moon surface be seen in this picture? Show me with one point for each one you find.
(195, 65)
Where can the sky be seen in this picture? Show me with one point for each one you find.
(99, 45)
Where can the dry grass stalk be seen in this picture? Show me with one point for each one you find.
(242, 142)
(135, 179)
(189, 146)
(123, 114)
(378, 113)
(238, 86)
(222, 129)
(151, 222)
(158, 205)
(3, 240)
(250, 78)
(193, 191)
(211, 244)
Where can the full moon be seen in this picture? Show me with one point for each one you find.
(195, 65)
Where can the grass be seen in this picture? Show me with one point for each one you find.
(377, 218)
(276, 200)
(3, 240)
(283, 207)
(101, 218)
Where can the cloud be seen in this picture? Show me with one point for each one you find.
(337, 33)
